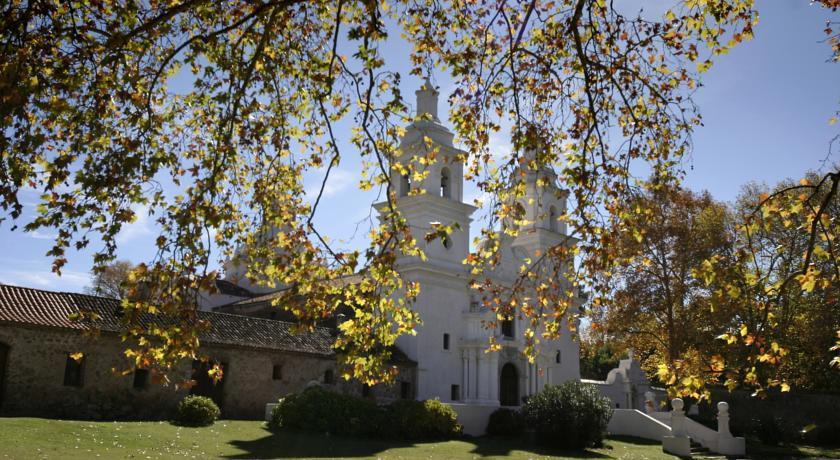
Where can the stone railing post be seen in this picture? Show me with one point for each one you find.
(677, 418)
(727, 444)
(650, 402)
(723, 420)
(678, 443)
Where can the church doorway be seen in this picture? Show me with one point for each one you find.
(509, 386)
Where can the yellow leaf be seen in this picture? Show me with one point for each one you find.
(78, 356)
(785, 387)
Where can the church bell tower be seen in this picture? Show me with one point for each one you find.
(434, 193)
(544, 202)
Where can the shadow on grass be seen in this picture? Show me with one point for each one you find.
(786, 451)
(283, 444)
(634, 440)
(500, 446)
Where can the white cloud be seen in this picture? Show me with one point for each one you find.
(72, 281)
(338, 181)
(42, 236)
(142, 226)
(500, 148)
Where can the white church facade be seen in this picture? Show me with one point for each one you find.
(450, 347)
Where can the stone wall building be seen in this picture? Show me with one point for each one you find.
(262, 361)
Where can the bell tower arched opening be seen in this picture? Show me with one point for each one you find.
(552, 218)
(405, 185)
(445, 183)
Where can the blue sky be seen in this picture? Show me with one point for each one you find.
(765, 107)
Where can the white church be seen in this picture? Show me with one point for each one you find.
(450, 346)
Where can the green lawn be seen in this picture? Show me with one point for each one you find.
(25, 438)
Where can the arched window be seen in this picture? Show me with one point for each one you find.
(405, 185)
(557, 357)
(445, 184)
(507, 328)
(329, 377)
(552, 219)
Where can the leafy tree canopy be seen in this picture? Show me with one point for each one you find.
(87, 117)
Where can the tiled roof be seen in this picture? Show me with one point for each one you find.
(266, 299)
(226, 287)
(53, 309)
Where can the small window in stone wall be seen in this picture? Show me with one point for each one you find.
(74, 371)
(141, 379)
(277, 372)
(557, 357)
(405, 390)
(445, 341)
(456, 393)
(329, 377)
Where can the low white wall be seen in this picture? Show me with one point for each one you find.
(631, 422)
(474, 417)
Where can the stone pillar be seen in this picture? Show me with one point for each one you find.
(473, 374)
(728, 444)
(479, 377)
(536, 377)
(465, 373)
(527, 378)
(535, 370)
(494, 378)
(488, 376)
(678, 443)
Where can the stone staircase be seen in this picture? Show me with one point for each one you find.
(700, 452)
(703, 453)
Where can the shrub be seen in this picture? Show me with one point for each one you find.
(430, 419)
(768, 429)
(197, 411)
(505, 422)
(572, 415)
(322, 411)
